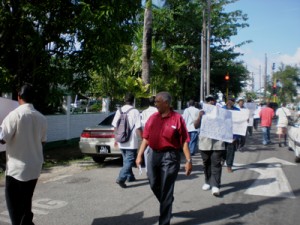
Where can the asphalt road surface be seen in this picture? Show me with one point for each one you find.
(263, 189)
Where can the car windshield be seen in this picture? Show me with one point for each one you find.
(108, 120)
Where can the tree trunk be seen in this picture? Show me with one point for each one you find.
(147, 43)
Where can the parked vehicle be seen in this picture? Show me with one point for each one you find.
(99, 141)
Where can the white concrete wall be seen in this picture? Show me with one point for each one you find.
(64, 127)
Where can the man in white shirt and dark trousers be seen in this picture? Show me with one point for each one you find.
(24, 132)
(129, 148)
(190, 114)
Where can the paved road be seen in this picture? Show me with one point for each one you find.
(263, 189)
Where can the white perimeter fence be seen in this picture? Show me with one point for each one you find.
(66, 127)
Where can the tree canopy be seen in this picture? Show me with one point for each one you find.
(96, 47)
(55, 44)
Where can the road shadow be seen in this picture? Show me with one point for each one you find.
(128, 219)
(227, 213)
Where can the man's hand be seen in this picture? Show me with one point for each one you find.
(138, 161)
(188, 168)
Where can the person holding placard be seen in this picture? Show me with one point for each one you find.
(212, 152)
(231, 147)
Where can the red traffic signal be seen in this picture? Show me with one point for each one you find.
(227, 77)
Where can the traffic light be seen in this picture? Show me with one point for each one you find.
(227, 77)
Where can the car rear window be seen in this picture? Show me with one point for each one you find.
(108, 120)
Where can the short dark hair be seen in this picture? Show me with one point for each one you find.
(129, 98)
(191, 102)
(26, 93)
(152, 101)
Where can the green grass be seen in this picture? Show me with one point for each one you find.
(62, 153)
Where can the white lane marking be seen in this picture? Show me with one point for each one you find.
(272, 181)
(39, 207)
(47, 203)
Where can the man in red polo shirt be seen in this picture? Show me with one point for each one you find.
(266, 114)
(166, 134)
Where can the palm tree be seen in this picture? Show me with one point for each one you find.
(147, 39)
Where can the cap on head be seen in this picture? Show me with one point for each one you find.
(209, 98)
(240, 99)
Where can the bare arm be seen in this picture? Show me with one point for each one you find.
(198, 120)
(141, 151)
(188, 164)
(139, 133)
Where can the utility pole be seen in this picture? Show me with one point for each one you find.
(260, 78)
(208, 48)
(203, 57)
(265, 77)
(205, 50)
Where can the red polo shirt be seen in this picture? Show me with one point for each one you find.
(167, 132)
(266, 114)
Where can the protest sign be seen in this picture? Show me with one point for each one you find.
(6, 106)
(240, 121)
(216, 123)
(252, 107)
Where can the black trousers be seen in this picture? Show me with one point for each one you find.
(212, 167)
(19, 200)
(162, 171)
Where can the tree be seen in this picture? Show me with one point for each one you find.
(57, 45)
(287, 79)
(177, 29)
(147, 40)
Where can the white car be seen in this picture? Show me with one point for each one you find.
(99, 141)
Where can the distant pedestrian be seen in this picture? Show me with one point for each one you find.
(145, 115)
(242, 139)
(148, 112)
(231, 147)
(251, 120)
(129, 148)
(256, 117)
(283, 114)
(212, 152)
(266, 115)
(166, 135)
(24, 131)
(190, 114)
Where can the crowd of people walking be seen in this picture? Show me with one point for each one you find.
(158, 138)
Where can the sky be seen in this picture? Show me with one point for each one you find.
(274, 28)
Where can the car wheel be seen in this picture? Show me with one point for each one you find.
(98, 159)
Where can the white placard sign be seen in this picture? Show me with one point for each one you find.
(252, 107)
(6, 106)
(216, 123)
(240, 121)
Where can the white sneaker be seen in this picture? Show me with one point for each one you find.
(205, 187)
(215, 191)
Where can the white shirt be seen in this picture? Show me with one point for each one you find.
(256, 112)
(190, 114)
(282, 114)
(24, 129)
(145, 115)
(134, 120)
